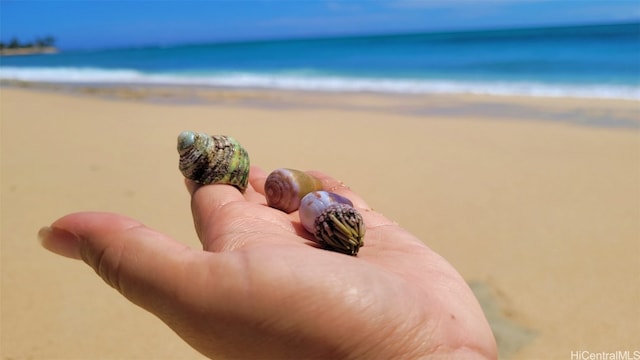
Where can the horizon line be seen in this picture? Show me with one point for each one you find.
(320, 37)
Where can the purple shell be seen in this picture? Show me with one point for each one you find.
(314, 203)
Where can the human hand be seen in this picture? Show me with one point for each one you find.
(260, 288)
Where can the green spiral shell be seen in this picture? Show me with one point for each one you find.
(213, 159)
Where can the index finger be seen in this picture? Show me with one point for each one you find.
(208, 200)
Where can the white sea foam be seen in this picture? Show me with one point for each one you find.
(319, 83)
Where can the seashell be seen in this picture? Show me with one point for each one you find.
(284, 188)
(215, 159)
(333, 221)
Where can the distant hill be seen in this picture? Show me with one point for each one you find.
(39, 46)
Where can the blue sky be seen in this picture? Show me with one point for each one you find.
(83, 24)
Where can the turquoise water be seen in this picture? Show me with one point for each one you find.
(583, 61)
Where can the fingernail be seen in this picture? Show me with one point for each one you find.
(60, 241)
(191, 186)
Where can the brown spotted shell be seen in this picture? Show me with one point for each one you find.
(284, 188)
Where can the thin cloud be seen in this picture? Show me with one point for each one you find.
(450, 4)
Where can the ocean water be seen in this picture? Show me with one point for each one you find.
(600, 61)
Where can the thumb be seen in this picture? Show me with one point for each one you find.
(141, 263)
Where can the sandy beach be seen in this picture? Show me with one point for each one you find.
(536, 201)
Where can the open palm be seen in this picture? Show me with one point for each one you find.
(263, 289)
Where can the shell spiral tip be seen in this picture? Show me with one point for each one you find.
(186, 139)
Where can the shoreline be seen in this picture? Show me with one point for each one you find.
(581, 111)
(29, 51)
(250, 80)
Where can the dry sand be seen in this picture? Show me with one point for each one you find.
(535, 201)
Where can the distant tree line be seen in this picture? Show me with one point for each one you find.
(44, 42)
